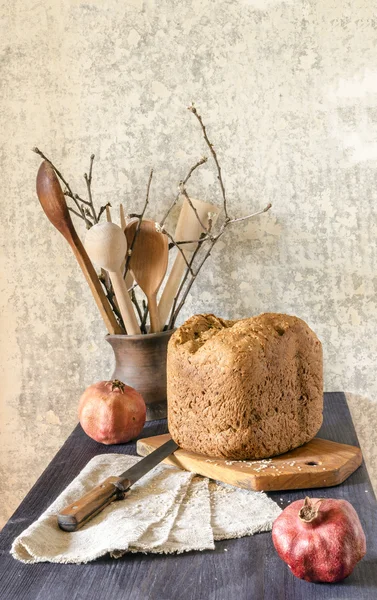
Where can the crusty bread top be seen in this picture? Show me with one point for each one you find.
(206, 333)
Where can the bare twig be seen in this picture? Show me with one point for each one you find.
(173, 312)
(74, 212)
(111, 298)
(140, 217)
(145, 316)
(259, 212)
(212, 150)
(131, 291)
(183, 182)
(169, 235)
(201, 239)
(176, 309)
(102, 210)
(133, 287)
(200, 162)
(79, 199)
(137, 305)
(182, 293)
(86, 213)
(185, 194)
(88, 181)
(81, 204)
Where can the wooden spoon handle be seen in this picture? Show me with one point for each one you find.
(125, 304)
(129, 280)
(171, 287)
(94, 284)
(122, 217)
(154, 315)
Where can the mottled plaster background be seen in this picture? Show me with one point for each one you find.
(288, 90)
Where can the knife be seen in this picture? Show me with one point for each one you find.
(78, 513)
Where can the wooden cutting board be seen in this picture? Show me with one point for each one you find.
(319, 463)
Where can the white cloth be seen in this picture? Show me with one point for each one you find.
(168, 510)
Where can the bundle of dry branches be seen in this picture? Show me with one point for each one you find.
(85, 210)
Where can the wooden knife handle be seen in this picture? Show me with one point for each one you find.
(76, 514)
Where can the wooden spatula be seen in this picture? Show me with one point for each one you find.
(188, 228)
(55, 207)
(148, 263)
(106, 245)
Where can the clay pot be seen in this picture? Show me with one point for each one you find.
(140, 361)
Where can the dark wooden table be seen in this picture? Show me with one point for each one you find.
(249, 569)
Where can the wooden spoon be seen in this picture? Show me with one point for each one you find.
(188, 228)
(55, 207)
(148, 263)
(106, 245)
(128, 279)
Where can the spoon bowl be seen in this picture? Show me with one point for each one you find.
(148, 263)
(106, 245)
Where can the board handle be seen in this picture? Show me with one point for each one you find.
(76, 514)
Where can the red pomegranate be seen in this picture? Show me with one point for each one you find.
(111, 412)
(320, 539)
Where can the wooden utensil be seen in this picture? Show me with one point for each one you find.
(128, 279)
(319, 463)
(106, 245)
(148, 263)
(55, 207)
(122, 216)
(188, 228)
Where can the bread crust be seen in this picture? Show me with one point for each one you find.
(245, 389)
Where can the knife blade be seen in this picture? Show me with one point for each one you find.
(78, 513)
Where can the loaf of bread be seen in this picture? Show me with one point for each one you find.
(245, 389)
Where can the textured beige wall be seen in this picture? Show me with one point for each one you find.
(288, 91)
